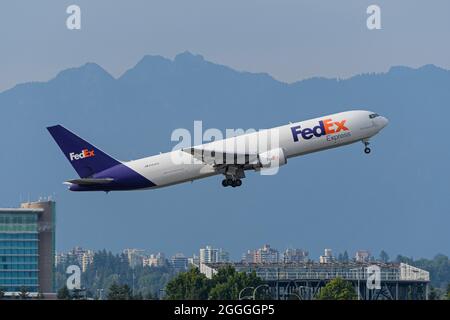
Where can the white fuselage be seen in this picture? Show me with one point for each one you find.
(294, 139)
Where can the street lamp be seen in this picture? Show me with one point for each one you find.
(239, 298)
(260, 286)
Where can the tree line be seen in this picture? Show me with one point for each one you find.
(111, 277)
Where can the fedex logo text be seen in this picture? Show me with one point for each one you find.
(325, 127)
(83, 154)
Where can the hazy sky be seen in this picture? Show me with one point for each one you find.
(290, 39)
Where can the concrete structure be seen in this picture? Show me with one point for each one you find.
(27, 248)
(223, 256)
(155, 260)
(135, 257)
(362, 256)
(266, 254)
(87, 259)
(60, 258)
(213, 255)
(327, 257)
(295, 256)
(179, 262)
(194, 260)
(76, 255)
(209, 255)
(248, 257)
(305, 280)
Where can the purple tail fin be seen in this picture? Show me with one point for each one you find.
(85, 158)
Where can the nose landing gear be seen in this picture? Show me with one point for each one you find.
(366, 149)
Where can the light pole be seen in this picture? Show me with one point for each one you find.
(239, 298)
(359, 271)
(260, 286)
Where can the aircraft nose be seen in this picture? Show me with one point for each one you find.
(381, 122)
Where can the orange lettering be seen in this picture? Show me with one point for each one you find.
(341, 126)
(327, 125)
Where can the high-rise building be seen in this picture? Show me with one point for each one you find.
(194, 260)
(223, 256)
(362, 256)
(135, 257)
(155, 260)
(60, 258)
(87, 259)
(295, 256)
(27, 248)
(249, 256)
(213, 255)
(179, 262)
(266, 254)
(327, 257)
(209, 255)
(76, 255)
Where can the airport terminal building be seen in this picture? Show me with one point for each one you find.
(304, 281)
(27, 249)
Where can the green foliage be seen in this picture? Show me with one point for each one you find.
(225, 285)
(63, 294)
(119, 292)
(108, 268)
(433, 294)
(190, 285)
(337, 289)
(384, 257)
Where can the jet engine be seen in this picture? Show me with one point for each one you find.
(272, 158)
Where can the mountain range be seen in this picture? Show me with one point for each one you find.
(396, 198)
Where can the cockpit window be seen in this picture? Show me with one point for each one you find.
(373, 115)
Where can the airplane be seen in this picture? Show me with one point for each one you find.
(230, 157)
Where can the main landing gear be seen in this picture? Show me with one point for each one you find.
(233, 175)
(366, 149)
(231, 182)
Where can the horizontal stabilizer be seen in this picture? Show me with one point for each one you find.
(90, 181)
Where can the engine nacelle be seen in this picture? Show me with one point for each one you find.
(272, 158)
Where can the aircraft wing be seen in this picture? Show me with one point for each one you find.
(90, 181)
(214, 157)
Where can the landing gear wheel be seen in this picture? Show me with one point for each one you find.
(229, 182)
(238, 182)
(366, 145)
(224, 183)
(233, 184)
